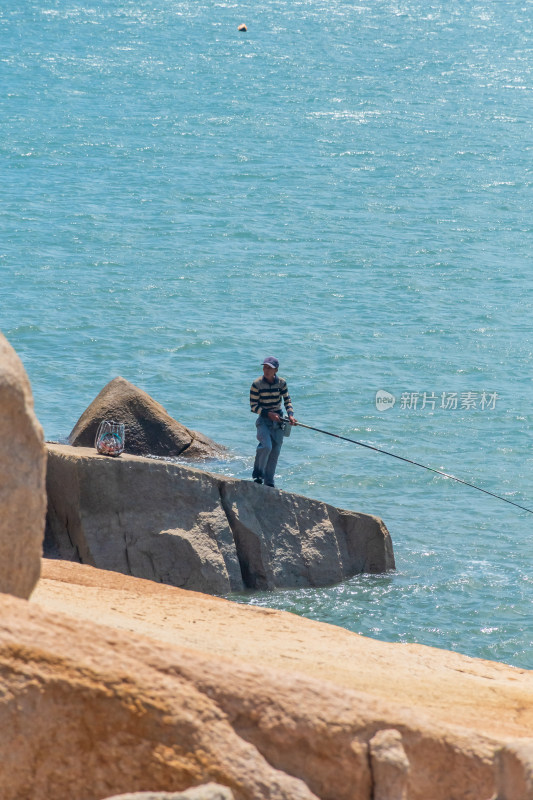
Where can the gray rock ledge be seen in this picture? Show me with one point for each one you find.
(185, 527)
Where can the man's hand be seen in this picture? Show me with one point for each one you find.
(274, 417)
(293, 420)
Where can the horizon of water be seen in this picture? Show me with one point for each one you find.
(347, 187)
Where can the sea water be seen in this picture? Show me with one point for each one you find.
(346, 186)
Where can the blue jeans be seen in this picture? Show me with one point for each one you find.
(270, 438)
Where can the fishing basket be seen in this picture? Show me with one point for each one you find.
(109, 439)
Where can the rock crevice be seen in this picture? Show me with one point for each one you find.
(254, 571)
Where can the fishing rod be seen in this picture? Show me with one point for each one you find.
(416, 463)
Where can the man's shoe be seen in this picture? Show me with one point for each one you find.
(270, 484)
(258, 480)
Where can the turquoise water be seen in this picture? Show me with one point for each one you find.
(345, 186)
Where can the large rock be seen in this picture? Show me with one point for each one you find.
(88, 711)
(22, 479)
(186, 527)
(141, 517)
(150, 430)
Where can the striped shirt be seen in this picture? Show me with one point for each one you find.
(265, 396)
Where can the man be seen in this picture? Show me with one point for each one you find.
(266, 395)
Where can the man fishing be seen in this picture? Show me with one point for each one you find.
(266, 394)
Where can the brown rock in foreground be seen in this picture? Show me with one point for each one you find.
(87, 712)
(106, 712)
(22, 479)
(473, 707)
(150, 430)
(482, 696)
(182, 526)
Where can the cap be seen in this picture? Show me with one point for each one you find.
(270, 361)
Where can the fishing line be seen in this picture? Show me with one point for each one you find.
(416, 463)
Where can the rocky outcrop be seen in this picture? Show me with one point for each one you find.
(107, 712)
(22, 479)
(186, 527)
(150, 430)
